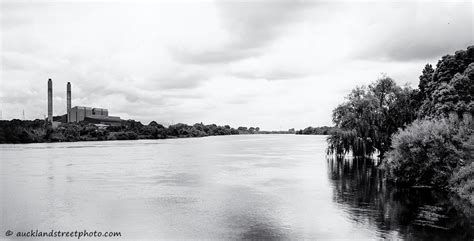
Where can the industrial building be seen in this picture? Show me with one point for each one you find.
(93, 115)
(79, 113)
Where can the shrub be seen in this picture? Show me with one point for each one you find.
(428, 152)
(123, 135)
(462, 182)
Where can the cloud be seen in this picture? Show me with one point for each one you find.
(179, 77)
(17, 61)
(219, 55)
(255, 24)
(409, 31)
(250, 27)
(271, 74)
(274, 64)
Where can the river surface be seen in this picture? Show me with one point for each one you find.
(227, 187)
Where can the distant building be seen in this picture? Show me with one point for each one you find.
(79, 113)
(93, 115)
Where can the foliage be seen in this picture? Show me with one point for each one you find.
(250, 130)
(323, 130)
(123, 135)
(17, 131)
(462, 182)
(342, 142)
(428, 151)
(450, 87)
(366, 121)
(436, 149)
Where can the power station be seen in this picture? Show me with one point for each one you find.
(79, 113)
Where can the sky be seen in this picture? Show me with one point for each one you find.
(275, 64)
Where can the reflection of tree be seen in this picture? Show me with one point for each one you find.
(263, 231)
(414, 213)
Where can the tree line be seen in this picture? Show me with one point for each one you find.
(424, 136)
(322, 130)
(34, 131)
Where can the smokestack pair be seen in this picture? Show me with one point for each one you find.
(50, 101)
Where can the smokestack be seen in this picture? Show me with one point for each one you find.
(50, 100)
(68, 102)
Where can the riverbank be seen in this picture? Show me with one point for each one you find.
(36, 131)
(423, 136)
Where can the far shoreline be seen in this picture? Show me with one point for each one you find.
(40, 131)
(168, 138)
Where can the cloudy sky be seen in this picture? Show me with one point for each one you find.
(272, 64)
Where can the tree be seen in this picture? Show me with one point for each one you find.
(449, 88)
(455, 96)
(366, 121)
(425, 79)
(251, 130)
(155, 124)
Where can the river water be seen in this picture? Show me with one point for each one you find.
(226, 187)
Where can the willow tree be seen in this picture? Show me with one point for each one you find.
(370, 115)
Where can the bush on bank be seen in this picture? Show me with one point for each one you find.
(433, 152)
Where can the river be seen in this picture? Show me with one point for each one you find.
(225, 187)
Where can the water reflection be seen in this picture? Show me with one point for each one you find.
(401, 212)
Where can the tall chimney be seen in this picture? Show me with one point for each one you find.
(68, 102)
(50, 100)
